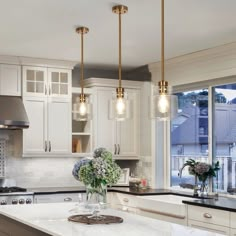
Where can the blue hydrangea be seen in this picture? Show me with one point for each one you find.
(77, 166)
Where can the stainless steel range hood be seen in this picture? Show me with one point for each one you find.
(12, 113)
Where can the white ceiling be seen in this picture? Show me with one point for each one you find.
(46, 29)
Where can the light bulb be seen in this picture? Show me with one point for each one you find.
(120, 106)
(163, 104)
(82, 108)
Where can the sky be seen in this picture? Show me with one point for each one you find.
(228, 93)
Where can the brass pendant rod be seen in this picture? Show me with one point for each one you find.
(120, 50)
(162, 42)
(82, 64)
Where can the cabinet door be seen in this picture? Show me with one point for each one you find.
(59, 126)
(10, 80)
(128, 130)
(34, 138)
(209, 227)
(105, 135)
(59, 83)
(232, 232)
(35, 81)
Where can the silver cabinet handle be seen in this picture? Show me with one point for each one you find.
(46, 90)
(50, 147)
(207, 215)
(115, 149)
(125, 200)
(49, 90)
(45, 146)
(118, 149)
(67, 199)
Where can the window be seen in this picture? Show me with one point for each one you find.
(224, 133)
(190, 135)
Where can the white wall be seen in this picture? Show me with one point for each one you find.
(36, 172)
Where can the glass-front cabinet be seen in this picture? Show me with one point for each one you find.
(41, 81)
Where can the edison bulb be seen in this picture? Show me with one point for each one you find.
(120, 106)
(163, 104)
(82, 108)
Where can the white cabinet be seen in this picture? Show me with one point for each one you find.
(124, 202)
(232, 232)
(10, 80)
(209, 227)
(59, 197)
(41, 81)
(50, 127)
(120, 137)
(213, 220)
(49, 111)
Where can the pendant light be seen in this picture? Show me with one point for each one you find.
(82, 108)
(164, 105)
(119, 106)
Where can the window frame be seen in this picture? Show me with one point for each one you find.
(167, 126)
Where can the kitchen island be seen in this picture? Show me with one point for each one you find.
(52, 219)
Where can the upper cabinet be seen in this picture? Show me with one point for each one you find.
(122, 138)
(47, 99)
(10, 80)
(40, 81)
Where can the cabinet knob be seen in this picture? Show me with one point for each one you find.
(207, 215)
(125, 199)
(67, 199)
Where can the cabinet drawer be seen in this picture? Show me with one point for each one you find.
(124, 200)
(208, 215)
(209, 227)
(233, 220)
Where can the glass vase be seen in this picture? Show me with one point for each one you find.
(96, 197)
(203, 188)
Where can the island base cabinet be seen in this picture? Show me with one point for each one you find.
(9, 227)
(209, 227)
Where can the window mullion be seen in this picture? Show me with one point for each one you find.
(210, 130)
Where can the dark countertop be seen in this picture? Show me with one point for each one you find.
(222, 203)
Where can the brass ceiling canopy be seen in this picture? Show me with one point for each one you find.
(82, 30)
(120, 9)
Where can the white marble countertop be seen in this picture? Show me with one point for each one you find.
(51, 218)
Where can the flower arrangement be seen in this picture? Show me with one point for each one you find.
(201, 170)
(97, 171)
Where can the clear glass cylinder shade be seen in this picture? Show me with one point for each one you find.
(120, 108)
(82, 111)
(164, 106)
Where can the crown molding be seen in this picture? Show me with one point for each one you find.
(209, 64)
(31, 61)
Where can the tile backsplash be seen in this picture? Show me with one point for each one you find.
(36, 171)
